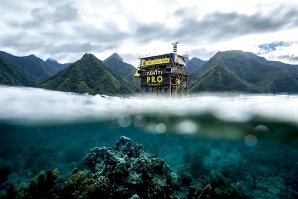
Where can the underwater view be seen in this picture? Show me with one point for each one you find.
(65, 145)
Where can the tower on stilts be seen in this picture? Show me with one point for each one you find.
(163, 74)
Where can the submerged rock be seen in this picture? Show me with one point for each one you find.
(216, 187)
(79, 185)
(4, 173)
(45, 186)
(126, 171)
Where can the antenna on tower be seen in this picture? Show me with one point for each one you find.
(175, 47)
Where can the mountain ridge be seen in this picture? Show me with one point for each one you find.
(32, 65)
(224, 72)
(12, 75)
(257, 73)
(194, 64)
(116, 64)
(56, 66)
(89, 75)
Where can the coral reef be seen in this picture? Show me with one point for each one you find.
(45, 186)
(79, 185)
(216, 187)
(126, 171)
(194, 162)
(123, 171)
(186, 177)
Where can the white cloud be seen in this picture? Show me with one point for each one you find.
(65, 30)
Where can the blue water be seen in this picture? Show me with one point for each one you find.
(250, 141)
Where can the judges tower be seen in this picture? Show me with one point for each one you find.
(163, 74)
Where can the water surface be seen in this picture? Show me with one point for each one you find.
(250, 140)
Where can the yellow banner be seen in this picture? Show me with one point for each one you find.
(155, 61)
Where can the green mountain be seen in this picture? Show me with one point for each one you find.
(33, 65)
(55, 65)
(89, 75)
(245, 72)
(119, 67)
(10, 74)
(193, 65)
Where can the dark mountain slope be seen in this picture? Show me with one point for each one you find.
(257, 73)
(56, 66)
(31, 64)
(10, 74)
(218, 77)
(89, 75)
(194, 65)
(119, 67)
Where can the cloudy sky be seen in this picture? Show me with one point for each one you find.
(65, 30)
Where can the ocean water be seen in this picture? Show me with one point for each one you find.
(239, 144)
